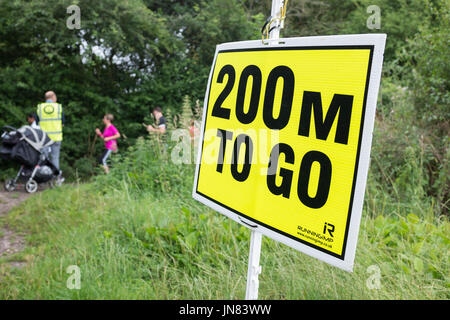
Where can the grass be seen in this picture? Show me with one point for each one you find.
(149, 245)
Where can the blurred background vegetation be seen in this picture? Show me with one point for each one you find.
(136, 232)
(130, 56)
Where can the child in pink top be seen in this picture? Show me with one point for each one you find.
(109, 136)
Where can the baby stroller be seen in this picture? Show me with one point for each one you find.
(27, 146)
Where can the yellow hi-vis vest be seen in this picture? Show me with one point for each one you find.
(50, 120)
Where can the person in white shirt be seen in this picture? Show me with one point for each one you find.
(31, 119)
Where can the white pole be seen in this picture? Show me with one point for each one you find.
(276, 12)
(254, 269)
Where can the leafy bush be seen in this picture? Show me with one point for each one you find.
(147, 166)
(419, 243)
(430, 85)
(128, 57)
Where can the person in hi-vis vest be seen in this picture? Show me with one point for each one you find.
(50, 117)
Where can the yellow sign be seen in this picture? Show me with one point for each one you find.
(282, 139)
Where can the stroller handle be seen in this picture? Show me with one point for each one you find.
(9, 128)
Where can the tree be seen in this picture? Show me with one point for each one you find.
(127, 57)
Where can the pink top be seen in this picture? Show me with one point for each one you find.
(109, 132)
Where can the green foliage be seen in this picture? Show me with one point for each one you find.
(400, 20)
(137, 233)
(92, 70)
(131, 56)
(411, 142)
(125, 59)
(430, 82)
(419, 244)
(156, 245)
(401, 173)
(147, 166)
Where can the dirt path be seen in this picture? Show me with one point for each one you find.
(11, 242)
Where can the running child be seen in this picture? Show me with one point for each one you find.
(110, 135)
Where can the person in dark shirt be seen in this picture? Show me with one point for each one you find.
(31, 119)
(161, 125)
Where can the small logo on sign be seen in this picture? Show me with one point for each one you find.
(328, 227)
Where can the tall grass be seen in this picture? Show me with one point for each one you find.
(137, 234)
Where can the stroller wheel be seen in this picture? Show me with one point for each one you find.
(31, 186)
(10, 186)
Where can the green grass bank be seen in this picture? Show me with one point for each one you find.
(138, 234)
